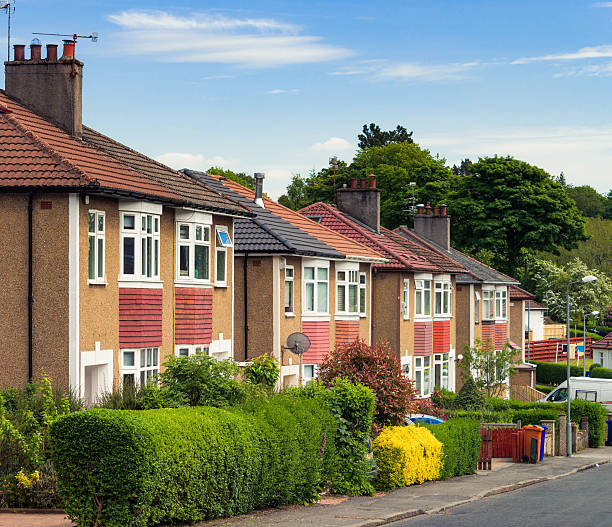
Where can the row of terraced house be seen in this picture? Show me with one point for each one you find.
(111, 262)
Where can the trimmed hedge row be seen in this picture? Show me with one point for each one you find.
(555, 373)
(460, 440)
(136, 468)
(406, 455)
(544, 389)
(596, 371)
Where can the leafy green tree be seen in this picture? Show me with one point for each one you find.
(295, 198)
(464, 168)
(550, 286)
(470, 396)
(508, 206)
(373, 136)
(608, 208)
(264, 370)
(492, 367)
(588, 200)
(238, 177)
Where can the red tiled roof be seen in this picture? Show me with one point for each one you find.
(603, 344)
(37, 153)
(516, 293)
(399, 256)
(331, 237)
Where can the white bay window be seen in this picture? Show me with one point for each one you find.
(193, 252)
(488, 304)
(443, 298)
(96, 228)
(140, 243)
(422, 375)
(139, 366)
(422, 297)
(347, 288)
(316, 289)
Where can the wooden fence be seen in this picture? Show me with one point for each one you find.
(525, 393)
(551, 350)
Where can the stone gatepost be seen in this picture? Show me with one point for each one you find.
(550, 441)
(562, 443)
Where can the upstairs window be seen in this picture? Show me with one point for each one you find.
(289, 279)
(316, 289)
(501, 304)
(347, 288)
(140, 245)
(406, 299)
(222, 242)
(488, 305)
(476, 307)
(362, 294)
(443, 301)
(97, 224)
(193, 252)
(422, 297)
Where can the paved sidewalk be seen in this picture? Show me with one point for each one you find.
(429, 498)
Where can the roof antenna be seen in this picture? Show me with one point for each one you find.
(412, 207)
(9, 6)
(74, 36)
(333, 165)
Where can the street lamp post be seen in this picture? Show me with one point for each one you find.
(584, 280)
(593, 314)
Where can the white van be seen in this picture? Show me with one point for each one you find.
(587, 388)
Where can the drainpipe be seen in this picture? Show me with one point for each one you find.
(246, 307)
(30, 286)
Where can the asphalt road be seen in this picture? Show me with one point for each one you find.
(581, 500)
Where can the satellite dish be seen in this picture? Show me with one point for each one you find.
(298, 343)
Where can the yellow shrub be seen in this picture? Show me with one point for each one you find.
(406, 455)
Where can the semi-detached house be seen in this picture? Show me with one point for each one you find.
(413, 300)
(110, 261)
(293, 274)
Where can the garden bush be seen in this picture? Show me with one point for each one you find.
(597, 420)
(352, 406)
(134, 468)
(263, 370)
(544, 389)
(406, 455)
(443, 399)
(555, 373)
(469, 397)
(460, 440)
(378, 368)
(600, 373)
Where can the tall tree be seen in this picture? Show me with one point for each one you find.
(509, 207)
(463, 169)
(238, 177)
(295, 198)
(373, 136)
(588, 200)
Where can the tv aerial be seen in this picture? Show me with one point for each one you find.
(93, 36)
(9, 6)
(299, 344)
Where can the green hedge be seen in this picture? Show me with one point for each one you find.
(596, 371)
(460, 440)
(555, 373)
(544, 389)
(597, 420)
(136, 468)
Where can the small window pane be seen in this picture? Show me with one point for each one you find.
(206, 232)
(220, 266)
(310, 297)
(149, 224)
(149, 255)
(143, 378)
(184, 260)
(128, 358)
(198, 233)
(128, 255)
(100, 223)
(352, 298)
(362, 278)
(201, 262)
(156, 255)
(143, 358)
(289, 272)
(341, 276)
(155, 356)
(322, 297)
(156, 225)
(129, 222)
(362, 300)
(427, 302)
(149, 357)
(322, 273)
(288, 296)
(341, 300)
(143, 256)
(184, 232)
(144, 224)
(308, 273)
(100, 258)
(183, 352)
(92, 222)
(92, 257)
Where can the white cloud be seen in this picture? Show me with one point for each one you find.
(592, 70)
(178, 160)
(409, 71)
(582, 153)
(279, 91)
(208, 38)
(602, 4)
(591, 52)
(333, 144)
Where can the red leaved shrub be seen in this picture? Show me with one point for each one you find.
(378, 368)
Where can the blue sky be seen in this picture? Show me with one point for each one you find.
(279, 87)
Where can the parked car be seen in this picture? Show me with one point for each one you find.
(588, 388)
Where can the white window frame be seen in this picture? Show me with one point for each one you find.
(421, 286)
(289, 286)
(221, 246)
(405, 305)
(190, 242)
(443, 289)
(347, 280)
(99, 264)
(488, 304)
(315, 281)
(315, 373)
(188, 350)
(141, 356)
(139, 235)
(441, 359)
(501, 303)
(363, 280)
(422, 366)
(476, 307)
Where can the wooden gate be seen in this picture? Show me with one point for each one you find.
(486, 449)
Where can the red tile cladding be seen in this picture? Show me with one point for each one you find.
(501, 334)
(318, 333)
(140, 317)
(193, 316)
(346, 331)
(423, 338)
(441, 336)
(488, 333)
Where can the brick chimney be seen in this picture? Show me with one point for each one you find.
(362, 202)
(434, 227)
(50, 87)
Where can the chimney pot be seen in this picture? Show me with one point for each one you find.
(259, 177)
(52, 52)
(372, 181)
(19, 51)
(428, 209)
(35, 51)
(354, 183)
(363, 183)
(420, 207)
(68, 53)
(442, 210)
(435, 210)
